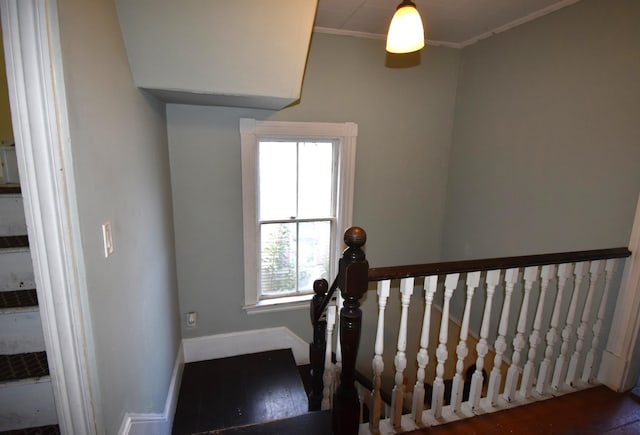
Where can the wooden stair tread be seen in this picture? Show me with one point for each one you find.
(10, 189)
(18, 299)
(312, 423)
(42, 430)
(8, 242)
(239, 391)
(23, 366)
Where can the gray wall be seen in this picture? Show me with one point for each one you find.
(405, 118)
(546, 140)
(121, 164)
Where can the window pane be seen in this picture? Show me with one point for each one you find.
(277, 180)
(315, 179)
(314, 245)
(278, 258)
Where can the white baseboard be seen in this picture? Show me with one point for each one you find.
(239, 343)
(157, 424)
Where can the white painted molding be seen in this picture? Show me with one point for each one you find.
(40, 124)
(515, 23)
(457, 45)
(366, 35)
(620, 366)
(239, 343)
(157, 424)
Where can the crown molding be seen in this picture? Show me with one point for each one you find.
(458, 45)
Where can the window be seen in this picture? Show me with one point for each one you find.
(297, 187)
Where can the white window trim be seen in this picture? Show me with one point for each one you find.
(250, 131)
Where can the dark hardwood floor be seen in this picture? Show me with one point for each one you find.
(594, 411)
(239, 391)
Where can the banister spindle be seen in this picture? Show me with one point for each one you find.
(519, 341)
(353, 282)
(544, 376)
(437, 397)
(589, 366)
(457, 387)
(378, 363)
(529, 373)
(560, 368)
(492, 280)
(512, 276)
(397, 395)
(327, 378)
(430, 286)
(317, 347)
(595, 271)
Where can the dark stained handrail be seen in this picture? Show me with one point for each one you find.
(415, 270)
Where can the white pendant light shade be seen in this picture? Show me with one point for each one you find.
(406, 33)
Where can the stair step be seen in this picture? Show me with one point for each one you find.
(239, 391)
(15, 299)
(312, 423)
(9, 242)
(16, 269)
(23, 366)
(10, 189)
(27, 404)
(21, 331)
(12, 220)
(41, 430)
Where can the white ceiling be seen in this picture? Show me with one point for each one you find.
(454, 23)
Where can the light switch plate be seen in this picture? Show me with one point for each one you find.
(107, 239)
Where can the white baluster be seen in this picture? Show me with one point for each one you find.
(595, 271)
(529, 373)
(511, 278)
(473, 280)
(544, 376)
(493, 278)
(589, 364)
(430, 286)
(519, 341)
(560, 368)
(437, 396)
(328, 376)
(377, 363)
(397, 395)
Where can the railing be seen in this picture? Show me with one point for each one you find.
(544, 341)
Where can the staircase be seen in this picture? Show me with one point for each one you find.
(26, 396)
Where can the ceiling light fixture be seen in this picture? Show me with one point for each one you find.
(406, 33)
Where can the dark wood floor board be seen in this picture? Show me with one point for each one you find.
(594, 411)
(314, 423)
(239, 391)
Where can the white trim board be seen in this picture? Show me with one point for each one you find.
(157, 424)
(239, 343)
(39, 116)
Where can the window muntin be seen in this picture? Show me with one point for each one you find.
(296, 214)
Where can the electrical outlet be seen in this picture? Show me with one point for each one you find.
(107, 239)
(192, 319)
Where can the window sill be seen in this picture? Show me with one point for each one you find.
(279, 304)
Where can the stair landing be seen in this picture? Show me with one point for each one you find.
(239, 391)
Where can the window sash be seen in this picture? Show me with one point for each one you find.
(252, 130)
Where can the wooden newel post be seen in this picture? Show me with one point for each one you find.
(317, 347)
(352, 281)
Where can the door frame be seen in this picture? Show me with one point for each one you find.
(37, 99)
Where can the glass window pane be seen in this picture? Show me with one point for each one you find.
(315, 179)
(278, 258)
(314, 245)
(277, 180)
